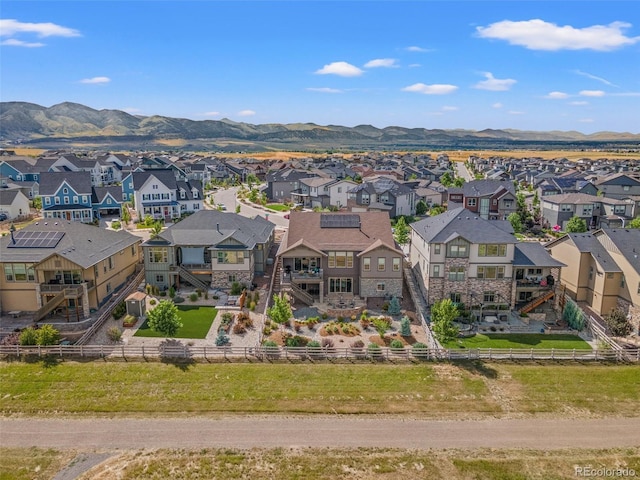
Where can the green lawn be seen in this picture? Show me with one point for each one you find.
(522, 340)
(277, 207)
(196, 322)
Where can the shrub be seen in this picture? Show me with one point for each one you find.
(206, 295)
(252, 306)
(28, 336)
(129, 321)
(114, 334)
(618, 323)
(222, 339)
(236, 288)
(256, 296)
(324, 315)
(374, 349)
(193, 297)
(353, 318)
(405, 326)
(327, 343)
(340, 318)
(163, 293)
(47, 335)
(178, 300)
(394, 306)
(358, 344)
(385, 306)
(119, 310)
(396, 344)
(239, 329)
(313, 344)
(269, 344)
(172, 292)
(152, 301)
(149, 289)
(116, 225)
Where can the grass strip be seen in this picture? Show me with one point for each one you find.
(523, 340)
(196, 322)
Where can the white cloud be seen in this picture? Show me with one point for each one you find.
(381, 62)
(342, 69)
(415, 48)
(495, 84)
(96, 80)
(449, 108)
(591, 93)
(10, 27)
(13, 42)
(436, 89)
(579, 103)
(497, 105)
(556, 95)
(324, 90)
(246, 113)
(537, 34)
(515, 112)
(593, 77)
(586, 120)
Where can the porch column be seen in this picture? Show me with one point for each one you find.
(322, 292)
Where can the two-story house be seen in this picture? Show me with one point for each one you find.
(67, 196)
(322, 192)
(281, 184)
(340, 257)
(619, 185)
(158, 194)
(382, 194)
(57, 266)
(475, 262)
(602, 270)
(489, 199)
(209, 249)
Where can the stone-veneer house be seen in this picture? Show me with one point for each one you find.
(602, 270)
(478, 262)
(56, 266)
(209, 249)
(340, 257)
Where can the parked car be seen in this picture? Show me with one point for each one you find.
(3, 217)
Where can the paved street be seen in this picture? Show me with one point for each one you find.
(228, 199)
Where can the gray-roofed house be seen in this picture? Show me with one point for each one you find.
(209, 249)
(282, 183)
(66, 267)
(602, 269)
(490, 199)
(13, 203)
(158, 194)
(383, 194)
(477, 262)
(66, 196)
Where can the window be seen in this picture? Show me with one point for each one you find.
(609, 275)
(380, 287)
(111, 263)
(638, 291)
(456, 273)
(396, 264)
(65, 191)
(340, 260)
(566, 207)
(458, 248)
(490, 272)
(155, 187)
(75, 199)
(625, 188)
(492, 250)
(158, 255)
(365, 199)
(587, 210)
(534, 271)
(182, 194)
(66, 200)
(436, 249)
(159, 278)
(366, 264)
(619, 209)
(471, 202)
(8, 272)
(231, 256)
(108, 287)
(455, 297)
(47, 200)
(436, 271)
(489, 297)
(622, 282)
(381, 264)
(231, 278)
(590, 273)
(340, 285)
(124, 197)
(57, 200)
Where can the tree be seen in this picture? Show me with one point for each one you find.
(252, 179)
(124, 214)
(576, 225)
(618, 323)
(253, 195)
(443, 313)
(421, 207)
(28, 336)
(394, 306)
(164, 318)
(635, 223)
(47, 335)
(37, 203)
(446, 180)
(516, 223)
(156, 229)
(405, 326)
(401, 232)
(280, 312)
(458, 181)
(381, 325)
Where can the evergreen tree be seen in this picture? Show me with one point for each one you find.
(280, 312)
(164, 318)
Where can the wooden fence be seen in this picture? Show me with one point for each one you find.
(178, 351)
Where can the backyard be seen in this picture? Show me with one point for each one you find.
(522, 340)
(196, 322)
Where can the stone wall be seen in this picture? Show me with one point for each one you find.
(633, 314)
(392, 286)
(221, 279)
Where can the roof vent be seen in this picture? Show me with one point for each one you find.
(46, 223)
(55, 223)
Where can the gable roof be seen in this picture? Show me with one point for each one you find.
(462, 222)
(50, 182)
(627, 241)
(211, 227)
(483, 188)
(165, 176)
(534, 254)
(588, 243)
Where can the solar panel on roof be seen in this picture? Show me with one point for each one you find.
(38, 239)
(339, 221)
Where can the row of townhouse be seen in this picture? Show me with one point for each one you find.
(69, 268)
(596, 211)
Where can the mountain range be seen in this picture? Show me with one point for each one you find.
(64, 123)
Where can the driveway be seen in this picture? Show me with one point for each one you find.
(318, 431)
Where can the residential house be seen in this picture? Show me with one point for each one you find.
(106, 201)
(209, 249)
(13, 203)
(596, 211)
(478, 262)
(556, 185)
(340, 257)
(20, 169)
(619, 185)
(489, 199)
(382, 194)
(57, 266)
(67, 196)
(322, 192)
(602, 270)
(282, 183)
(158, 194)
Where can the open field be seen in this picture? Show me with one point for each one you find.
(523, 340)
(463, 390)
(320, 463)
(196, 322)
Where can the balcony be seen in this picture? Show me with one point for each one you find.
(316, 276)
(70, 291)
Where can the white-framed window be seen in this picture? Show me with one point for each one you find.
(566, 207)
(489, 297)
(436, 271)
(158, 255)
(492, 250)
(471, 202)
(455, 297)
(65, 191)
(489, 272)
(366, 264)
(57, 200)
(66, 200)
(154, 187)
(380, 287)
(456, 273)
(108, 287)
(159, 278)
(340, 285)
(382, 264)
(396, 264)
(47, 200)
(230, 256)
(436, 249)
(75, 199)
(340, 260)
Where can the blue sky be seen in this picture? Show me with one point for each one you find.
(536, 65)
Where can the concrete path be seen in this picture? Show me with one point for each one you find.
(321, 431)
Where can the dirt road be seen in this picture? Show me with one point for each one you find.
(339, 431)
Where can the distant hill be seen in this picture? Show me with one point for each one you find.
(28, 123)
